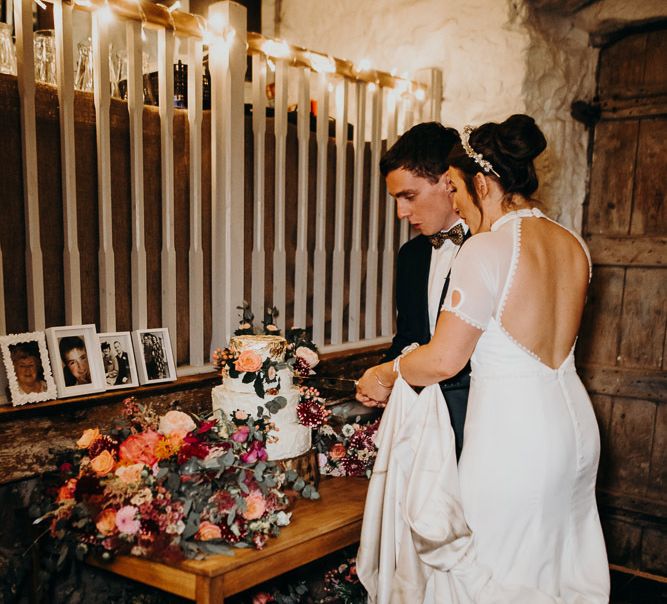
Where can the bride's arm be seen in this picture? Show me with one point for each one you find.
(442, 358)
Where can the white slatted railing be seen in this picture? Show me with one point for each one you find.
(342, 258)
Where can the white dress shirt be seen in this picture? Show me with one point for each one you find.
(441, 263)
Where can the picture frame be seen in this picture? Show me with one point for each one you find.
(154, 356)
(76, 360)
(27, 368)
(120, 368)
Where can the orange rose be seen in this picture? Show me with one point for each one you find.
(207, 531)
(130, 474)
(67, 490)
(337, 451)
(248, 360)
(139, 448)
(88, 438)
(103, 463)
(255, 506)
(106, 521)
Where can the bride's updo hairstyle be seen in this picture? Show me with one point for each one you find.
(510, 147)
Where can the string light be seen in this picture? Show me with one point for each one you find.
(320, 63)
(420, 95)
(105, 14)
(372, 87)
(84, 3)
(364, 65)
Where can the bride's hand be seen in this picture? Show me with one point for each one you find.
(370, 391)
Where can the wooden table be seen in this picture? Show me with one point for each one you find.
(317, 529)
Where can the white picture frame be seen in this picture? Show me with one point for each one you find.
(27, 368)
(120, 369)
(153, 353)
(76, 360)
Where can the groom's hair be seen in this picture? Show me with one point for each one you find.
(422, 150)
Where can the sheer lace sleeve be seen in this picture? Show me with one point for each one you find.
(477, 277)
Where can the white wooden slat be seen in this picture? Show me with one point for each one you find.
(301, 253)
(279, 253)
(107, 285)
(227, 63)
(135, 107)
(320, 254)
(387, 311)
(372, 255)
(26, 87)
(357, 204)
(196, 252)
(62, 16)
(338, 259)
(259, 152)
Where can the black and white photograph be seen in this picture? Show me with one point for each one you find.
(155, 360)
(120, 369)
(76, 359)
(26, 364)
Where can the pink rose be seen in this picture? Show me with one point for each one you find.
(255, 506)
(262, 598)
(241, 435)
(140, 448)
(207, 531)
(248, 360)
(176, 422)
(240, 414)
(130, 474)
(307, 355)
(127, 521)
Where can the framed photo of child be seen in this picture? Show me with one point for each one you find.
(120, 369)
(155, 360)
(27, 368)
(76, 360)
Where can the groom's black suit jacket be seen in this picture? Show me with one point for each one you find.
(412, 323)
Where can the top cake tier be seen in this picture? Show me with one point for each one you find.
(271, 347)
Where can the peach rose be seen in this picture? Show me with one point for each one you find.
(103, 463)
(139, 448)
(176, 422)
(307, 355)
(208, 530)
(337, 451)
(106, 521)
(248, 360)
(255, 506)
(130, 474)
(88, 438)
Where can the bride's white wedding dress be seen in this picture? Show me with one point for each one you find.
(517, 521)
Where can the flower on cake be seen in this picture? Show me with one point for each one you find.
(248, 361)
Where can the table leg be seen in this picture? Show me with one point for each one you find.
(209, 590)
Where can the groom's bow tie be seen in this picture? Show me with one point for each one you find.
(455, 235)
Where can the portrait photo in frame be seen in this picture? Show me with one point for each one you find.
(120, 369)
(155, 360)
(76, 359)
(27, 368)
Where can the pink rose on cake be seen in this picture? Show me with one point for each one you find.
(248, 361)
(176, 423)
(307, 355)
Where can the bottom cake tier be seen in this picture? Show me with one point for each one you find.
(293, 439)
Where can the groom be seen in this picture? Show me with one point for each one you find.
(414, 170)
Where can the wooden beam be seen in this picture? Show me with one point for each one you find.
(643, 384)
(624, 251)
(634, 107)
(562, 7)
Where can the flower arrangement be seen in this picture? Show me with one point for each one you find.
(347, 451)
(171, 486)
(343, 584)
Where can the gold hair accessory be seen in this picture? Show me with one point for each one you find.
(478, 158)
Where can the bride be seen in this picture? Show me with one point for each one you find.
(521, 522)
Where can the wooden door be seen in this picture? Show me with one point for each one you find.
(622, 350)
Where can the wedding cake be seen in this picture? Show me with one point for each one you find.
(257, 375)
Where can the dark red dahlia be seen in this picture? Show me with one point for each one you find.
(301, 368)
(230, 537)
(103, 443)
(353, 467)
(310, 413)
